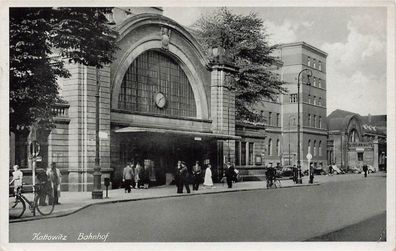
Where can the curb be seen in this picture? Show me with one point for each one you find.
(73, 211)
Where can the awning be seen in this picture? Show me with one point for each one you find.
(133, 129)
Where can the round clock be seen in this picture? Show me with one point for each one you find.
(160, 100)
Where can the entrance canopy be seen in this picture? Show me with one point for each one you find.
(133, 129)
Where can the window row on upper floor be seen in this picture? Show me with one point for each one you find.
(314, 63)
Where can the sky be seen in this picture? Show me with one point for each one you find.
(353, 37)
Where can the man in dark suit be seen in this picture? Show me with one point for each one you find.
(197, 172)
(230, 174)
(182, 177)
(365, 169)
(311, 173)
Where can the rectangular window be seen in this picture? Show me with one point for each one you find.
(309, 98)
(269, 118)
(320, 66)
(314, 121)
(277, 119)
(251, 148)
(314, 100)
(360, 156)
(309, 119)
(314, 81)
(243, 153)
(320, 122)
(320, 101)
(309, 61)
(314, 63)
(319, 83)
(237, 153)
(293, 98)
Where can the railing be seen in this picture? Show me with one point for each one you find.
(61, 110)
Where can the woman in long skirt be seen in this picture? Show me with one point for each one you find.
(208, 182)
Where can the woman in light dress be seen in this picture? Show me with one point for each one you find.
(208, 182)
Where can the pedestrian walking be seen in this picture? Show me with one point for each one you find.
(138, 175)
(146, 174)
(182, 177)
(43, 185)
(365, 169)
(295, 174)
(230, 174)
(311, 173)
(17, 177)
(127, 177)
(330, 170)
(208, 181)
(55, 177)
(197, 175)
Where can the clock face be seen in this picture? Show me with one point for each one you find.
(160, 100)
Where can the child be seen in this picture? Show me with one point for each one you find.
(17, 177)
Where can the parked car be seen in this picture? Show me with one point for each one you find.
(319, 170)
(371, 169)
(337, 170)
(354, 170)
(287, 171)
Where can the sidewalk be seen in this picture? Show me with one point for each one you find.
(72, 202)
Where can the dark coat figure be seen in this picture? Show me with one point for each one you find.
(311, 173)
(182, 177)
(295, 174)
(44, 186)
(365, 169)
(230, 174)
(197, 175)
(127, 177)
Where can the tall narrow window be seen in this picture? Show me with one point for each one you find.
(277, 119)
(314, 81)
(243, 153)
(278, 150)
(309, 98)
(314, 63)
(309, 61)
(309, 146)
(314, 121)
(320, 101)
(320, 148)
(320, 122)
(269, 118)
(319, 83)
(270, 147)
(309, 119)
(251, 148)
(314, 148)
(320, 66)
(314, 100)
(237, 153)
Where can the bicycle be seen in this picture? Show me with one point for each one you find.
(17, 207)
(273, 183)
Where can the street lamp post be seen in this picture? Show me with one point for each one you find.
(299, 179)
(97, 192)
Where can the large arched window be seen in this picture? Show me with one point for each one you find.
(155, 83)
(270, 147)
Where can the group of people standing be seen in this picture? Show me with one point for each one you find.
(48, 180)
(184, 176)
(138, 176)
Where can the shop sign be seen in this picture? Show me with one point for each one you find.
(360, 145)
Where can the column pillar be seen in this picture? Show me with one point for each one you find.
(223, 101)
